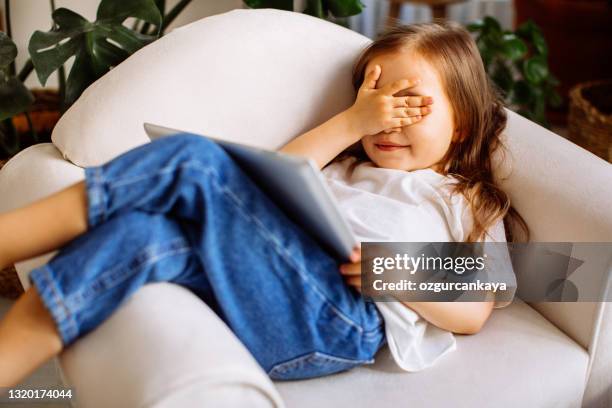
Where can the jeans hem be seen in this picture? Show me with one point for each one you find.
(54, 302)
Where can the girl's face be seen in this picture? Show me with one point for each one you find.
(428, 140)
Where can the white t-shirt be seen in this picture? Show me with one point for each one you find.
(383, 204)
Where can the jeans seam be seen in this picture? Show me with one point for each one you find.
(100, 183)
(121, 181)
(268, 235)
(96, 197)
(195, 164)
(79, 301)
(284, 366)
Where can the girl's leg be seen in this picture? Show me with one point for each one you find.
(85, 282)
(43, 225)
(28, 338)
(276, 288)
(272, 284)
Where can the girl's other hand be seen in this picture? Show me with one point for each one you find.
(352, 271)
(377, 110)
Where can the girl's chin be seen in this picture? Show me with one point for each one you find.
(400, 164)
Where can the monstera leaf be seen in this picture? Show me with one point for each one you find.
(96, 46)
(14, 96)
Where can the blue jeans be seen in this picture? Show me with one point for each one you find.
(180, 210)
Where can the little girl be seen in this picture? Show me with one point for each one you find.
(410, 160)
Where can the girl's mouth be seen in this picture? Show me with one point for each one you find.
(388, 148)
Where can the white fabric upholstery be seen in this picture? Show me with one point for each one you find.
(159, 368)
(518, 360)
(265, 76)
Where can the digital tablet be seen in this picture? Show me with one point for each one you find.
(295, 184)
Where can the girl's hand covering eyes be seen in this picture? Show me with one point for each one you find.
(377, 110)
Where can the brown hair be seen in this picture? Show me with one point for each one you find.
(478, 111)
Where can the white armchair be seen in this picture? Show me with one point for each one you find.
(263, 77)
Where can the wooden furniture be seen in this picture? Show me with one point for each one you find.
(438, 8)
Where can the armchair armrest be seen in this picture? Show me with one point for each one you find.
(565, 195)
(34, 173)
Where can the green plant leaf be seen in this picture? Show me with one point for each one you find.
(491, 25)
(535, 69)
(97, 47)
(539, 43)
(8, 50)
(487, 57)
(516, 63)
(117, 11)
(344, 8)
(81, 75)
(315, 8)
(513, 47)
(277, 4)
(161, 6)
(526, 29)
(14, 98)
(476, 26)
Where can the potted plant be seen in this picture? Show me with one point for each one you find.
(97, 47)
(28, 116)
(518, 64)
(15, 98)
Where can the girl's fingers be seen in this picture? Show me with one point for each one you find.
(372, 77)
(351, 269)
(412, 101)
(356, 255)
(400, 84)
(397, 129)
(408, 112)
(405, 117)
(398, 122)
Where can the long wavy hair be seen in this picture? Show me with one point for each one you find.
(478, 112)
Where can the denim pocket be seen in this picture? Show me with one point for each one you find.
(315, 364)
